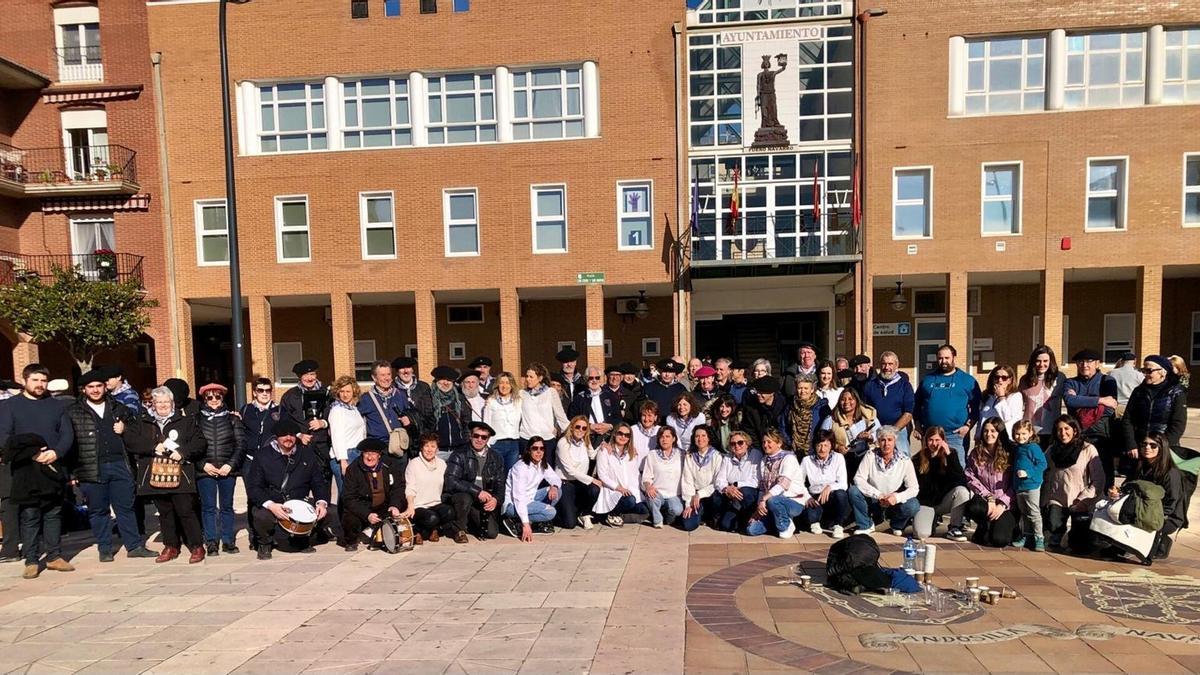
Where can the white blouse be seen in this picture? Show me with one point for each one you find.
(504, 417)
(645, 440)
(1011, 409)
(833, 474)
(614, 472)
(573, 459)
(346, 428)
(683, 429)
(666, 475)
(542, 415)
(522, 485)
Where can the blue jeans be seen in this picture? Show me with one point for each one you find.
(44, 522)
(865, 510)
(674, 506)
(693, 521)
(335, 466)
(113, 491)
(216, 499)
(510, 450)
(541, 509)
(959, 445)
(832, 513)
(626, 504)
(730, 515)
(784, 511)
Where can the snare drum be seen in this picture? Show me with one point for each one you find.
(301, 519)
(394, 535)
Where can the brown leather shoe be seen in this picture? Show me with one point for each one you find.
(168, 554)
(31, 572)
(197, 555)
(460, 537)
(60, 565)
(417, 539)
(434, 536)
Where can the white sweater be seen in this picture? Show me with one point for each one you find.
(701, 480)
(505, 418)
(522, 486)
(833, 475)
(423, 486)
(645, 440)
(740, 472)
(791, 481)
(542, 415)
(346, 428)
(666, 475)
(900, 478)
(573, 458)
(1011, 409)
(615, 472)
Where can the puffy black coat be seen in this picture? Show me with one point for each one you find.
(223, 439)
(86, 458)
(460, 474)
(144, 436)
(356, 495)
(1155, 409)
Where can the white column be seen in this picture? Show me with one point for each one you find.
(247, 118)
(1056, 69)
(333, 113)
(591, 100)
(504, 110)
(957, 102)
(418, 108)
(1156, 64)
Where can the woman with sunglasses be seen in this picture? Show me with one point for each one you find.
(579, 487)
(217, 479)
(1155, 465)
(701, 464)
(1002, 399)
(619, 472)
(528, 507)
(662, 478)
(736, 496)
(1157, 406)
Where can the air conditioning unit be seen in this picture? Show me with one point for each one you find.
(627, 305)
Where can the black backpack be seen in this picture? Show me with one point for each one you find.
(853, 566)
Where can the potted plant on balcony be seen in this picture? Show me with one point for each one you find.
(106, 264)
(115, 172)
(100, 173)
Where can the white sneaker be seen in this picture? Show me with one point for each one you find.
(791, 530)
(869, 530)
(837, 532)
(897, 533)
(615, 521)
(816, 529)
(657, 526)
(585, 522)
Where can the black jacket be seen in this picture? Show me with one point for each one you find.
(610, 403)
(757, 419)
(935, 484)
(91, 432)
(461, 469)
(33, 483)
(144, 436)
(223, 436)
(664, 395)
(258, 426)
(291, 406)
(627, 401)
(1155, 409)
(302, 472)
(451, 425)
(356, 495)
(420, 406)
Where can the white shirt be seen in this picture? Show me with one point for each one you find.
(542, 415)
(97, 408)
(522, 486)
(645, 440)
(701, 480)
(573, 458)
(791, 481)
(346, 428)
(875, 482)
(740, 472)
(504, 417)
(615, 472)
(1011, 409)
(666, 475)
(476, 405)
(683, 429)
(833, 475)
(831, 395)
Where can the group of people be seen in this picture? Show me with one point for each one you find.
(824, 448)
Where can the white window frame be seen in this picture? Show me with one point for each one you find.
(410, 350)
(393, 97)
(458, 351)
(1195, 341)
(608, 348)
(1122, 194)
(1017, 198)
(283, 369)
(987, 59)
(279, 228)
(529, 121)
(1188, 190)
(648, 184)
(1189, 42)
(365, 226)
(480, 122)
(198, 207)
(1037, 333)
(359, 362)
(647, 351)
(310, 131)
(1132, 318)
(896, 171)
(1122, 53)
(447, 222)
(94, 221)
(564, 344)
(482, 314)
(534, 218)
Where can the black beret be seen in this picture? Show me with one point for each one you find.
(404, 362)
(1129, 356)
(109, 372)
(567, 354)
(305, 366)
(469, 373)
(1087, 355)
(628, 368)
(766, 385)
(444, 373)
(482, 425)
(739, 365)
(802, 345)
(666, 365)
(286, 427)
(860, 360)
(373, 445)
(92, 376)
(614, 368)
(480, 361)
(845, 373)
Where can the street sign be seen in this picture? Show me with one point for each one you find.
(898, 329)
(589, 278)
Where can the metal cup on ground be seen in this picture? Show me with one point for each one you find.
(805, 581)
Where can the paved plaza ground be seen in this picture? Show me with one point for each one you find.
(623, 600)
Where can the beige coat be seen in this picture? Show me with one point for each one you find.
(1082, 482)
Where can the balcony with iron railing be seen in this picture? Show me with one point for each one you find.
(100, 266)
(79, 64)
(776, 239)
(67, 171)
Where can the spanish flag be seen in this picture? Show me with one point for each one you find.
(735, 199)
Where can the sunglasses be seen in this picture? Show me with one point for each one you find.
(594, 378)
(1003, 378)
(623, 433)
(262, 390)
(738, 443)
(483, 436)
(536, 448)
(1150, 444)
(580, 427)
(213, 397)
(1147, 371)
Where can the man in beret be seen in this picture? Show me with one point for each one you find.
(120, 389)
(626, 398)
(765, 409)
(631, 379)
(307, 404)
(737, 380)
(1091, 398)
(806, 364)
(102, 466)
(283, 471)
(861, 373)
(451, 414)
(469, 385)
(664, 389)
(567, 376)
(420, 394)
(474, 485)
(948, 398)
(705, 389)
(374, 490)
(483, 366)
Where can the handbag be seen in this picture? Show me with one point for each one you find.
(165, 473)
(398, 440)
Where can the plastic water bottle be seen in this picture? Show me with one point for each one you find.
(910, 555)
